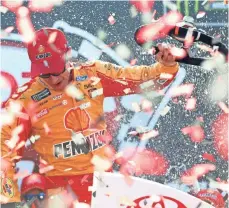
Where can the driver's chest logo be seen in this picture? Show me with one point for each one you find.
(7, 187)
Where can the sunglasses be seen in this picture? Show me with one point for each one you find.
(45, 76)
(29, 197)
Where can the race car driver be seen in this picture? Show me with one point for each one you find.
(73, 117)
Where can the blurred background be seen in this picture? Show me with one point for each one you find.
(105, 30)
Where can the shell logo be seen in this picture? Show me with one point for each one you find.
(76, 120)
(41, 49)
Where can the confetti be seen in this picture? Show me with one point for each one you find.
(101, 34)
(223, 106)
(200, 14)
(111, 20)
(123, 51)
(80, 205)
(46, 169)
(24, 24)
(95, 80)
(46, 128)
(74, 92)
(209, 157)
(170, 5)
(165, 110)
(133, 62)
(34, 138)
(191, 104)
(3, 9)
(100, 163)
(133, 12)
(220, 134)
(190, 176)
(185, 89)
(146, 106)
(9, 29)
(136, 107)
(126, 201)
(84, 179)
(196, 133)
(143, 6)
(4, 199)
(52, 37)
(67, 169)
(127, 90)
(166, 76)
(43, 5)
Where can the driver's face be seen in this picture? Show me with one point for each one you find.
(58, 83)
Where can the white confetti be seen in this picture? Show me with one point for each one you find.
(34, 138)
(133, 12)
(46, 169)
(127, 90)
(95, 80)
(123, 51)
(191, 104)
(121, 81)
(100, 163)
(3, 9)
(74, 92)
(136, 107)
(165, 111)
(149, 135)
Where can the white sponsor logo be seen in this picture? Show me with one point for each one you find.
(57, 97)
(42, 113)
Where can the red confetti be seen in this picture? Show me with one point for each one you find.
(209, 157)
(220, 132)
(190, 176)
(143, 5)
(146, 161)
(158, 30)
(200, 118)
(196, 133)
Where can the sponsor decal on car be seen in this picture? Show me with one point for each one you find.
(81, 78)
(41, 95)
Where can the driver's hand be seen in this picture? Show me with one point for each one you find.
(164, 55)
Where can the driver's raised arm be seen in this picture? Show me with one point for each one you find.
(118, 81)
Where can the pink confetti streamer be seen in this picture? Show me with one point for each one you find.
(190, 176)
(200, 14)
(196, 133)
(9, 29)
(46, 169)
(191, 104)
(111, 20)
(24, 24)
(43, 5)
(223, 106)
(143, 6)
(159, 29)
(220, 132)
(133, 62)
(185, 89)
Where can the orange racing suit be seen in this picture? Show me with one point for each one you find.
(70, 119)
